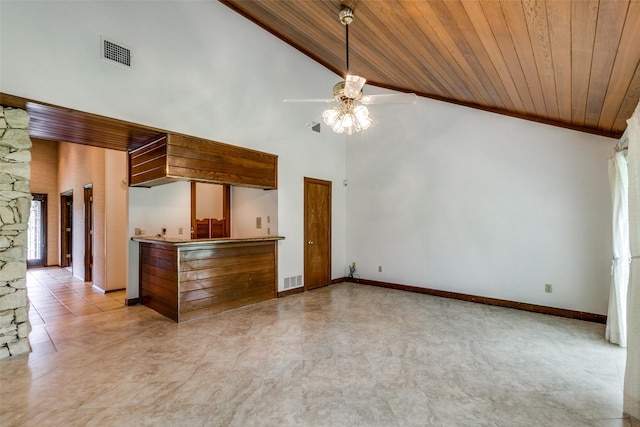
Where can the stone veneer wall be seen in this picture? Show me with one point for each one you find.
(15, 203)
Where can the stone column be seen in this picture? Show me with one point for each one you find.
(15, 203)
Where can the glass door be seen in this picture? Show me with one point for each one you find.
(37, 232)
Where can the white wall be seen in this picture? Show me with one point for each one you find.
(115, 228)
(446, 197)
(248, 204)
(443, 197)
(200, 69)
(152, 209)
(80, 166)
(165, 206)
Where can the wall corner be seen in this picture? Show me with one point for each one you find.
(15, 205)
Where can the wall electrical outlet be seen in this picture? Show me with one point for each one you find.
(258, 222)
(548, 288)
(180, 230)
(379, 269)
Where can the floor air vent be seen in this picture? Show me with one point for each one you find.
(116, 53)
(292, 282)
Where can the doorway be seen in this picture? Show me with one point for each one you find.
(317, 233)
(210, 210)
(88, 232)
(37, 232)
(66, 229)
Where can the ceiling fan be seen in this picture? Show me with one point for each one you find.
(351, 114)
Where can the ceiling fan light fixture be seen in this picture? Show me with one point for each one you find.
(353, 86)
(345, 118)
(351, 115)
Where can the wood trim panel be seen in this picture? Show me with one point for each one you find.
(560, 312)
(211, 161)
(214, 279)
(174, 157)
(289, 292)
(66, 228)
(58, 123)
(190, 282)
(226, 207)
(88, 233)
(159, 278)
(148, 163)
(194, 204)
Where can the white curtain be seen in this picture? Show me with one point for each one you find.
(632, 372)
(616, 330)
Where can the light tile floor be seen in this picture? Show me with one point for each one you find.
(55, 295)
(338, 356)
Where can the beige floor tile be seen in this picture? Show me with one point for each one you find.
(109, 305)
(86, 311)
(342, 355)
(55, 318)
(53, 311)
(96, 298)
(46, 304)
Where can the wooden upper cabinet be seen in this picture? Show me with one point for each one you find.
(148, 164)
(176, 157)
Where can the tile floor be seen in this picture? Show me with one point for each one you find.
(55, 295)
(344, 355)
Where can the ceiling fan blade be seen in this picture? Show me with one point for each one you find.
(311, 100)
(394, 98)
(353, 85)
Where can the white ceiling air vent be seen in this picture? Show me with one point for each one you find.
(115, 52)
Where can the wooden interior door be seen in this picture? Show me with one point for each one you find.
(88, 233)
(66, 229)
(317, 233)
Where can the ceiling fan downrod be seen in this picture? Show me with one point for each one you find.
(346, 17)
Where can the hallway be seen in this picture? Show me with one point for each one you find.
(55, 295)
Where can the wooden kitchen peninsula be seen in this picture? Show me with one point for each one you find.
(185, 279)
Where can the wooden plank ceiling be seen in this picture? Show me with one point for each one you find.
(571, 63)
(54, 123)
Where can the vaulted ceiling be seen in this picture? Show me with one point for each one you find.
(572, 63)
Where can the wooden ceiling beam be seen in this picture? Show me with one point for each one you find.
(55, 123)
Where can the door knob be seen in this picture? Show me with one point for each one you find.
(310, 242)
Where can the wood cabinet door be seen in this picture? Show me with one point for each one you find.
(317, 233)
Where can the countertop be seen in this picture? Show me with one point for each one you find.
(219, 240)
